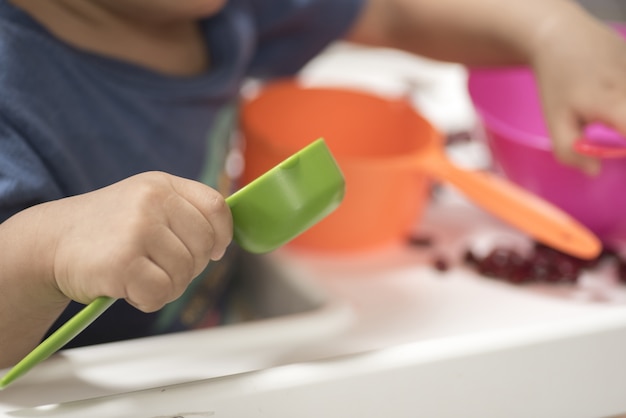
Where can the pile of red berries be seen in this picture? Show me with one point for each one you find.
(541, 265)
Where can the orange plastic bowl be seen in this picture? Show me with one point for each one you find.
(365, 133)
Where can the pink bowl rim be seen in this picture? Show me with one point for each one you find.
(510, 133)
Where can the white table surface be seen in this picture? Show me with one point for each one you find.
(465, 343)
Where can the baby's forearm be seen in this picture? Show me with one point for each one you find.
(29, 301)
(472, 32)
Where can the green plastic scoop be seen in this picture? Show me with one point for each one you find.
(267, 213)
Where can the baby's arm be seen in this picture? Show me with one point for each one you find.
(580, 64)
(142, 239)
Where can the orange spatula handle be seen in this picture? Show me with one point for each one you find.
(536, 217)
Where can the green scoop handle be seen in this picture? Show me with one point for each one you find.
(267, 213)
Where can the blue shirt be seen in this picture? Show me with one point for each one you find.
(72, 121)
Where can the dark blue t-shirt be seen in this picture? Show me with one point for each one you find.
(72, 121)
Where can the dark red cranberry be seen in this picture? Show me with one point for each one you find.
(518, 269)
(541, 265)
(567, 270)
(519, 275)
(441, 264)
(539, 272)
(557, 255)
(621, 270)
(470, 258)
(545, 254)
(420, 241)
(503, 263)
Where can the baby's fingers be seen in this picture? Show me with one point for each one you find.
(615, 116)
(565, 131)
(212, 219)
(607, 109)
(151, 288)
(192, 242)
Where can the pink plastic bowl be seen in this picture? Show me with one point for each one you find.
(507, 101)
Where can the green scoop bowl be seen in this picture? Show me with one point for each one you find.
(267, 213)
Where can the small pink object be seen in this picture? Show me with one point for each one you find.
(601, 142)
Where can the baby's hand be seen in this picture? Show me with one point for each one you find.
(581, 70)
(142, 239)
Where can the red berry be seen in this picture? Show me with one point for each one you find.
(420, 241)
(441, 264)
(621, 270)
(469, 258)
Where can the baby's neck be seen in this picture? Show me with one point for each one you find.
(172, 48)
